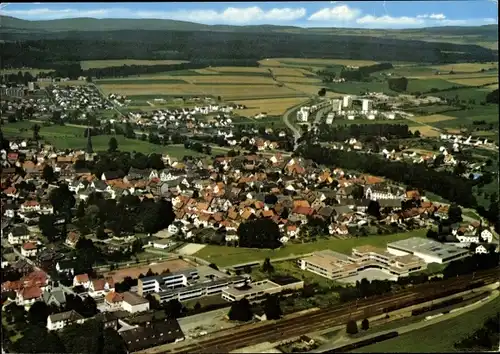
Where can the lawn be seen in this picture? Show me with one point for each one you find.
(99, 64)
(437, 338)
(225, 256)
(273, 106)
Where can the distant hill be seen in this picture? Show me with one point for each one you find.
(487, 32)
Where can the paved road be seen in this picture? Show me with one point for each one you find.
(286, 119)
(320, 114)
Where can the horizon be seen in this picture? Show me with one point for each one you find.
(333, 14)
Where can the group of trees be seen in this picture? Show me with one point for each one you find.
(398, 84)
(259, 233)
(352, 326)
(443, 183)
(363, 132)
(492, 97)
(88, 337)
(242, 311)
(363, 72)
(20, 78)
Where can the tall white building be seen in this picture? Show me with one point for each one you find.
(336, 105)
(303, 114)
(367, 105)
(347, 101)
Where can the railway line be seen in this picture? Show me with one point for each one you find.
(338, 315)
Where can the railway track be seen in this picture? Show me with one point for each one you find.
(338, 315)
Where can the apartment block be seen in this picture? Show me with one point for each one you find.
(256, 291)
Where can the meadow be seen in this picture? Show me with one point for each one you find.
(475, 81)
(426, 85)
(72, 137)
(466, 67)
(298, 79)
(224, 256)
(324, 62)
(425, 130)
(433, 118)
(99, 64)
(436, 338)
(487, 113)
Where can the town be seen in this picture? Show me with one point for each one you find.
(206, 220)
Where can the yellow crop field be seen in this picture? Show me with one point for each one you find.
(152, 89)
(491, 87)
(269, 62)
(205, 71)
(305, 61)
(476, 81)
(228, 79)
(239, 69)
(288, 72)
(434, 118)
(272, 106)
(425, 131)
(229, 92)
(99, 64)
(298, 80)
(466, 67)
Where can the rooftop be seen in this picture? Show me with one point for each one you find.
(262, 285)
(426, 246)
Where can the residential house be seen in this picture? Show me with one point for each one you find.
(29, 249)
(99, 287)
(81, 280)
(72, 239)
(18, 235)
(65, 266)
(60, 320)
(28, 295)
(134, 303)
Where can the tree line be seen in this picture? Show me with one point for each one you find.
(47, 50)
(442, 183)
(328, 132)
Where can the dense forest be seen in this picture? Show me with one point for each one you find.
(48, 50)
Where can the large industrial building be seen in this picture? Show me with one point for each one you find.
(428, 250)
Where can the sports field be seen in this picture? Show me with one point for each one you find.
(226, 256)
(99, 64)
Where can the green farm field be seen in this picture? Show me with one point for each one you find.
(439, 337)
(225, 256)
(98, 64)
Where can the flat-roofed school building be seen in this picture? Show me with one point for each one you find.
(428, 250)
(255, 291)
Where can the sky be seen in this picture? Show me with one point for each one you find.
(350, 14)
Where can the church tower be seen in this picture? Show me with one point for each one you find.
(89, 149)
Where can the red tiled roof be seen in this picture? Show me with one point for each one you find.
(114, 297)
(82, 278)
(33, 292)
(29, 246)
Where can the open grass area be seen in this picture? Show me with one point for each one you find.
(272, 106)
(229, 79)
(425, 85)
(325, 62)
(98, 64)
(434, 118)
(357, 88)
(465, 67)
(298, 79)
(142, 81)
(475, 81)
(488, 113)
(225, 256)
(466, 93)
(72, 137)
(436, 338)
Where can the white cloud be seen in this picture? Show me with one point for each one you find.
(388, 20)
(433, 16)
(229, 15)
(338, 13)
